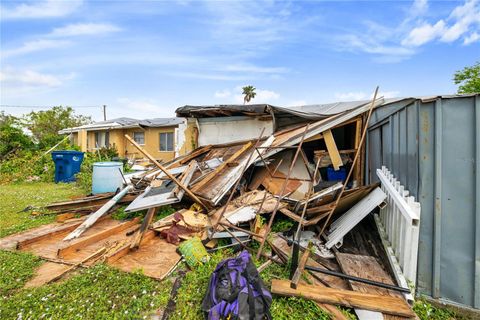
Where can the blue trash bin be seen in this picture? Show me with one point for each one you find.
(67, 164)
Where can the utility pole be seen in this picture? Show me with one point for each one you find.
(104, 113)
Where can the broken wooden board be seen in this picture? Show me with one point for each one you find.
(155, 257)
(45, 273)
(282, 248)
(332, 149)
(366, 267)
(351, 299)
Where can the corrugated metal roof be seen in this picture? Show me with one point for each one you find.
(126, 123)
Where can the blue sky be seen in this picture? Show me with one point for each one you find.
(146, 58)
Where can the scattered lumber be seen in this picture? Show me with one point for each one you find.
(351, 299)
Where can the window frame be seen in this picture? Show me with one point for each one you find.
(168, 134)
(135, 139)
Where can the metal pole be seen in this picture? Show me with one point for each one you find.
(357, 279)
(104, 113)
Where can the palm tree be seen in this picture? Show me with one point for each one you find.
(249, 92)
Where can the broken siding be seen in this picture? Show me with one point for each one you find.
(434, 149)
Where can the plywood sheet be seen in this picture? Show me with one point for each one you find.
(155, 257)
(46, 272)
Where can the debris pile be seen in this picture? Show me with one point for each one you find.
(238, 192)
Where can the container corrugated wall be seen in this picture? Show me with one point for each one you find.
(434, 149)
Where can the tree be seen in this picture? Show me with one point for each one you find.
(45, 125)
(12, 136)
(249, 93)
(468, 79)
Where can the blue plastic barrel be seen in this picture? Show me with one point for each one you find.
(67, 164)
(106, 177)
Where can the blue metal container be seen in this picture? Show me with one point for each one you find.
(67, 164)
(107, 177)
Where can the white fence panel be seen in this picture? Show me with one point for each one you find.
(399, 222)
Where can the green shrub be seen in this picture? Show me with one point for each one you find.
(16, 268)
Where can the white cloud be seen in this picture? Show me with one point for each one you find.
(297, 103)
(361, 95)
(423, 34)
(33, 46)
(347, 96)
(474, 37)
(17, 83)
(222, 94)
(40, 9)
(78, 29)
(139, 109)
(463, 21)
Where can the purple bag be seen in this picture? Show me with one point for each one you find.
(236, 291)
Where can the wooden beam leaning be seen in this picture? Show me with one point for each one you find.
(385, 304)
(332, 149)
(171, 177)
(146, 222)
(81, 243)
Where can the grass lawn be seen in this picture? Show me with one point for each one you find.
(102, 292)
(17, 196)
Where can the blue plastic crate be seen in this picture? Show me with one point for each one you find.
(339, 175)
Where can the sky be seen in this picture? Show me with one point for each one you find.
(144, 59)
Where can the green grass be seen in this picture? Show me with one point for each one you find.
(99, 292)
(16, 268)
(18, 196)
(426, 311)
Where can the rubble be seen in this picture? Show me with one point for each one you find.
(226, 192)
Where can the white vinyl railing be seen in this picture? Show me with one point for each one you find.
(399, 222)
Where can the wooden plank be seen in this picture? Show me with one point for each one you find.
(350, 299)
(145, 223)
(219, 169)
(366, 267)
(97, 253)
(300, 268)
(83, 242)
(195, 153)
(45, 235)
(357, 173)
(332, 150)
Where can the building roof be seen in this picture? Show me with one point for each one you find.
(126, 123)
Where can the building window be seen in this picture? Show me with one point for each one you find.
(139, 137)
(102, 139)
(166, 141)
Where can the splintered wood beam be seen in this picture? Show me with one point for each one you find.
(83, 242)
(170, 176)
(351, 299)
(146, 222)
(194, 154)
(332, 150)
(301, 267)
(216, 172)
